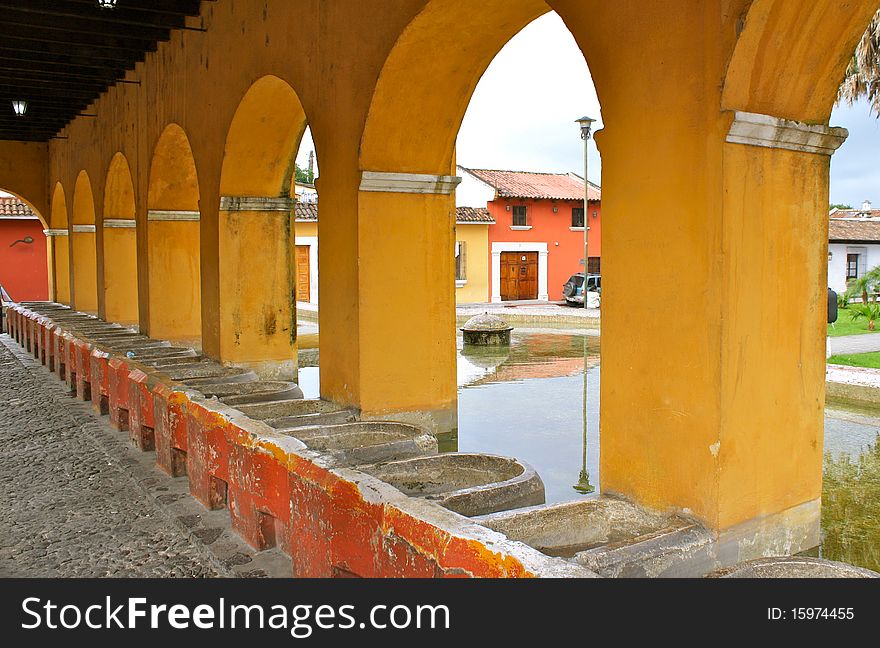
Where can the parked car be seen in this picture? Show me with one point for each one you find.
(573, 289)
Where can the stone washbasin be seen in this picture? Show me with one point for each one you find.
(367, 442)
(291, 413)
(793, 567)
(468, 483)
(612, 537)
(251, 392)
(200, 373)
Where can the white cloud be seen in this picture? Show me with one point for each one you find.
(522, 113)
(855, 168)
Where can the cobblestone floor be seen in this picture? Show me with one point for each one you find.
(76, 500)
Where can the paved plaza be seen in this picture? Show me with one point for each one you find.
(76, 500)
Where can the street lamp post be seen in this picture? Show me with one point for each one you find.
(583, 485)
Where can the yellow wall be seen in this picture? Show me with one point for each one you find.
(82, 246)
(257, 323)
(119, 268)
(23, 170)
(61, 256)
(173, 256)
(174, 280)
(476, 239)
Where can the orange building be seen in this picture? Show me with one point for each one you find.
(537, 240)
(22, 251)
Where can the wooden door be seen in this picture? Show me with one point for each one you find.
(519, 275)
(303, 280)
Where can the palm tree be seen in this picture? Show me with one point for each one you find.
(867, 284)
(863, 74)
(870, 312)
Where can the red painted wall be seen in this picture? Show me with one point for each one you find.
(565, 248)
(23, 267)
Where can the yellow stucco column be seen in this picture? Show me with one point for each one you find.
(406, 298)
(715, 406)
(59, 265)
(85, 277)
(174, 275)
(120, 270)
(257, 318)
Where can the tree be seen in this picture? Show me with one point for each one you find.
(840, 206)
(863, 74)
(864, 285)
(304, 175)
(870, 312)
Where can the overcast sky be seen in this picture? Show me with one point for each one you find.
(530, 126)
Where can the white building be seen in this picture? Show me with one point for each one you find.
(853, 244)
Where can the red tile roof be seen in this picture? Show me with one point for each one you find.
(309, 212)
(306, 211)
(863, 230)
(855, 213)
(528, 184)
(473, 215)
(12, 206)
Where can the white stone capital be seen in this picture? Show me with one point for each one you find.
(172, 215)
(256, 204)
(414, 183)
(120, 223)
(754, 129)
(55, 232)
(82, 229)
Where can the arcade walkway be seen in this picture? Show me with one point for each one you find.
(77, 501)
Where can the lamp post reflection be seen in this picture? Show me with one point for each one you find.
(583, 484)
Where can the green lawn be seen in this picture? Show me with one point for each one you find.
(845, 326)
(871, 360)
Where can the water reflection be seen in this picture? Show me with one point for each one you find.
(531, 406)
(851, 497)
(527, 402)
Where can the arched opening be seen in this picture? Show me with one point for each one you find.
(23, 249)
(59, 247)
(173, 235)
(83, 247)
(120, 244)
(408, 162)
(258, 252)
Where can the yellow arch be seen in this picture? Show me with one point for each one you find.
(119, 244)
(83, 246)
(262, 141)
(257, 324)
(410, 127)
(59, 248)
(790, 57)
(173, 240)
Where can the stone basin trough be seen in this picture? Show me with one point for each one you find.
(367, 442)
(292, 413)
(612, 537)
(794, 567)
(468, 483)
(251, 392)
(205, 373)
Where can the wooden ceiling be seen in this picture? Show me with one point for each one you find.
(60, 55)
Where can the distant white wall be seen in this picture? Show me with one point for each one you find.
(837, 264)
(472, 192)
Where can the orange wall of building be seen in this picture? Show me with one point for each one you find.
(23, 267)
(563, 260)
